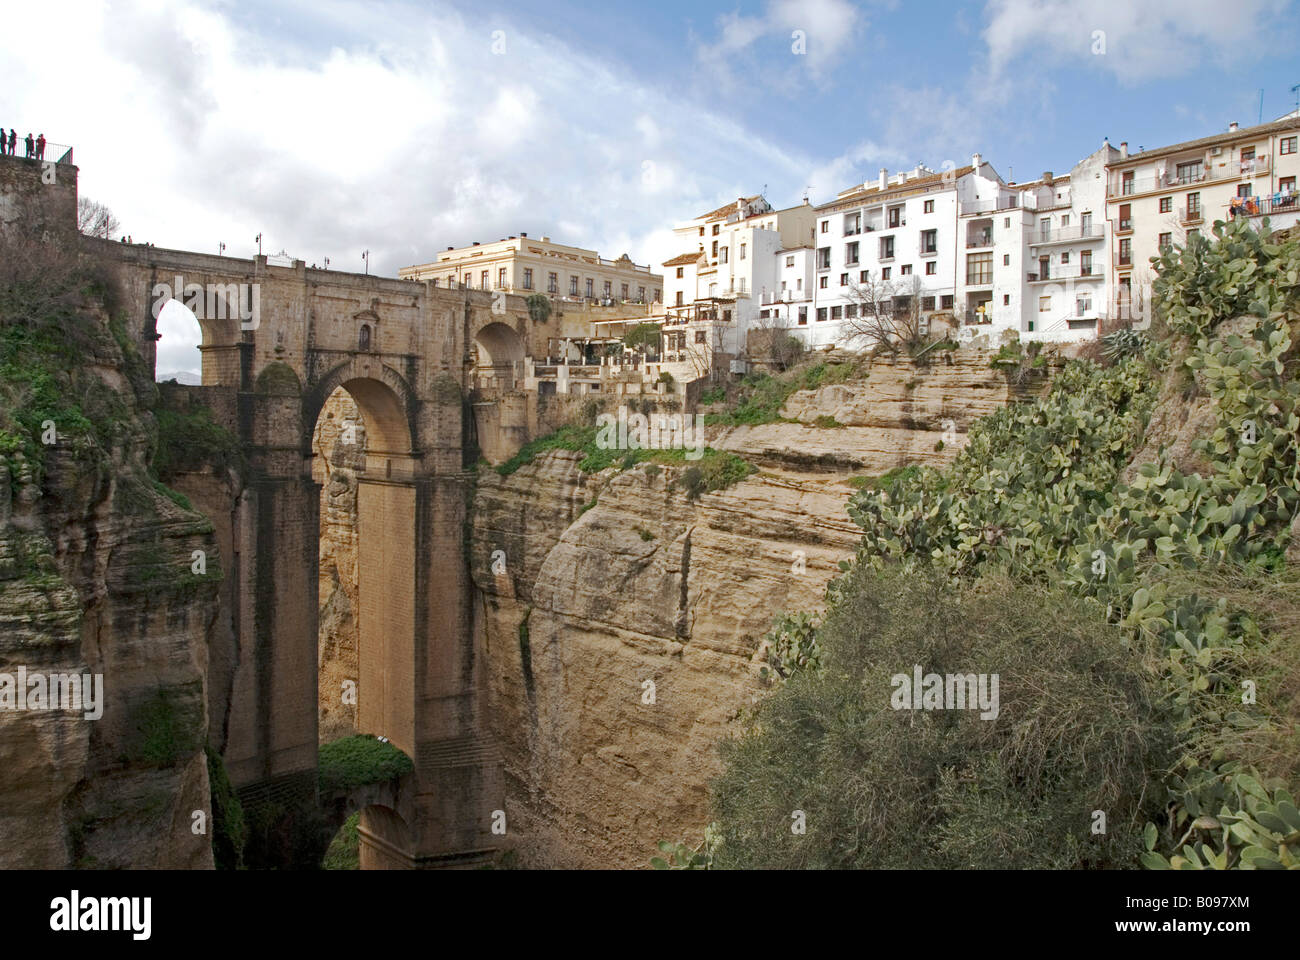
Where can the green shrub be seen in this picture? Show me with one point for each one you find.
(358, 760)
(1078, 730)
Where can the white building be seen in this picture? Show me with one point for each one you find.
(1036, 255)
(890, 239)
(731, 264)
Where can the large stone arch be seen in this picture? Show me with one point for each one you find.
(386, 401)
(499, 348)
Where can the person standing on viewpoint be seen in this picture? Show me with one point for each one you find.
(31, 146)
(40, 147)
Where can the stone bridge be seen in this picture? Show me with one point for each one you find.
(406, 353)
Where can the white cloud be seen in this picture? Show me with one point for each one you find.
(1141, 40)
(804, 41)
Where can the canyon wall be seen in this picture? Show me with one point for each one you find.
(623, 624)
(98, 576)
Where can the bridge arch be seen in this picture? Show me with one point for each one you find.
(385, 399)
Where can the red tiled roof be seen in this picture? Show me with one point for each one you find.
(683, 259)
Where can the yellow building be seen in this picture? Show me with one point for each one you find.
(522, 265)
(1157, 198)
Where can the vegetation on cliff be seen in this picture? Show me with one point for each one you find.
(712, 470)
(1145, 633)
(358, 760)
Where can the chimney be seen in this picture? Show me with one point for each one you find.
(884, 178)
(476, 243)
(523, 235)
(1047, 177)
(1232, 127)
(546, 239)
(451, 248)
(1123, 148)
(976, 161)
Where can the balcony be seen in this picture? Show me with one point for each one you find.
(984, 239)
(1068, 235)
(1189, 215)
(975, 207)
(1264, 206)
(1062, 274)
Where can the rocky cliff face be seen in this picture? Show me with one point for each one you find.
(623, 624)
(339, 442)
(98, 576)
(902, 413)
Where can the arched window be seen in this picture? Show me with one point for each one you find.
(365, 337)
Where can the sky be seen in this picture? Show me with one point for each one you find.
(333, 127)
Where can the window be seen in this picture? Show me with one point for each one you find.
(1085, 223)
(451, 280)
(715, 229)
(484, 284)
(701, 231)
(1006, 299)
(906, 270)
(657, 295)
(715, 250)
(701, 336)
(928, 207)
(931, 268)
(1189, 172)
(1126, 216)
(1083, 304)
(927, 303)
(886, 248)
(1006, 259)
(1065, 220)
(850, 310)
(884, 272)
(528, 278)
(1006, 222)
(623, 291)
(742, 251)
(1125, 251)
(552, 283)
(851, 253)
(821, 314)
(852, 224)
(1247, 153)
(929, 241)
(862, 275)
(640, 294)
(826, 228)
(1166, 204)
(1065, 256)
(798, 283)
(979, 268)
(1044, 228)
(679, 298)
(1243, 189)
(803, 316)
(1287, 145)
(789, 261)
(945, 302)
(1044, 304)
(837, 313)
(501, 278)
(589, 284)
(1286, 184)
(722, 255)
(844, 279)
(1126, 182)
(1085, 263)
(680, 272)
(1193, 205)
(896, 217)
(435, 281)
(821, 283)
